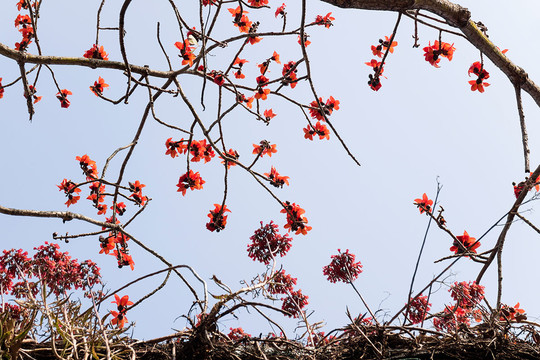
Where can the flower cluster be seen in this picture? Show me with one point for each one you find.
(233, 154)
(467, 295)
(119, 317)
(201, 150)
(325, 109)
(237, 334)
(217, 219)
(267, 243)
(320, 129)
(418, 308)
(96, 52)
(433, 53)
(71, 190)
(342, 268)
(294, 303)
(512, 313)
(387, 45)
(295, 219)
(136, 193)
(289, 72)
(325, 20)
(281, 283)
(477, 69)
(53, 268)
(24, 24)
(276, 179)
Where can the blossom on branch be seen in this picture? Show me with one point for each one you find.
(295, 219)
(464, 244)
(96, 53)
(62, 97)
(217, 219)
(424, 204)
(190, 180)
(342, 268)
(99, 86)
(267, 243)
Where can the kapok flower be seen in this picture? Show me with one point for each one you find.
(512, 313)
(190, 180)
(237, 334)
(343, 268)
(267, 243)
(217, 219)
(269, 114)
(106, 244)
(1, 89)
(186, 52)
(281, 10)
(467, 295)
(99, 86)
(464, 243)
(262, 93)
(264, 148)
(231, 154)
(70, 189)
(294, 303)
(175, 148)
(424, 204)
(281, 283)
(289, 74)
(31, 91)
(276, 179)
(96, 53)
(295, 219)
(418, 308)
(325, 20)
(386, 44)
(62, 96)
(88, 167)
(122, 303)
(119, 319)
(477, 68)
(432, 53)
(306, 41)
(258, 3)
(124, 259)
(120, 208)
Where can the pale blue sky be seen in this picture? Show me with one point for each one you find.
(424, 123)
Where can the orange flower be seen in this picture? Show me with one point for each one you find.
(62, 96)
(186, 52)
(295, 219)
(232, 154)
(276, 179)
(190, 180)
(218, 221)
(424, 204)
(269, 114)
(119, 319)
(122, 303)
(262, 94)
(512, 313)
(258, 3)
(324, 20)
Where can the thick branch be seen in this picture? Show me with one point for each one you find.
(458, 17)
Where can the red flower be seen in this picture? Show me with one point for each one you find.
(96, 53)
(175, 148)
(106, 244)
(136, 186)
(289, 74)
(120, 208)
(88, 166)
(451, 316)
(70, 189)
(376, 65)
(258, 3)
(295, 221)
(122, 303)
(276, 179)
(418, 308)
(248, 102)
(62, 96)
(186, 52)
(281, 283)
(423, 204)
(467, 295)
(99, 86)
(264, 148)
(232, 154)
(465, 243)
(386, 44)
(23, 21)
(200, 150)
(275, 57)
(217, 219)
(190, 180)
(262, 94)
(243, 24)
(281, 10)
(306, 41)
(512, 313)
(342, 268)
(262, 80)
(23, 4)
(267, 243)
(377, 50)
(294, 303)
(237, 334)
(434, 52)
(31, 90)
(136, 189)
(1, 89)
(124, 259)
(119, 319)
(269, 114)
(325, 20)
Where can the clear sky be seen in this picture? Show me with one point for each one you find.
(424, 124)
